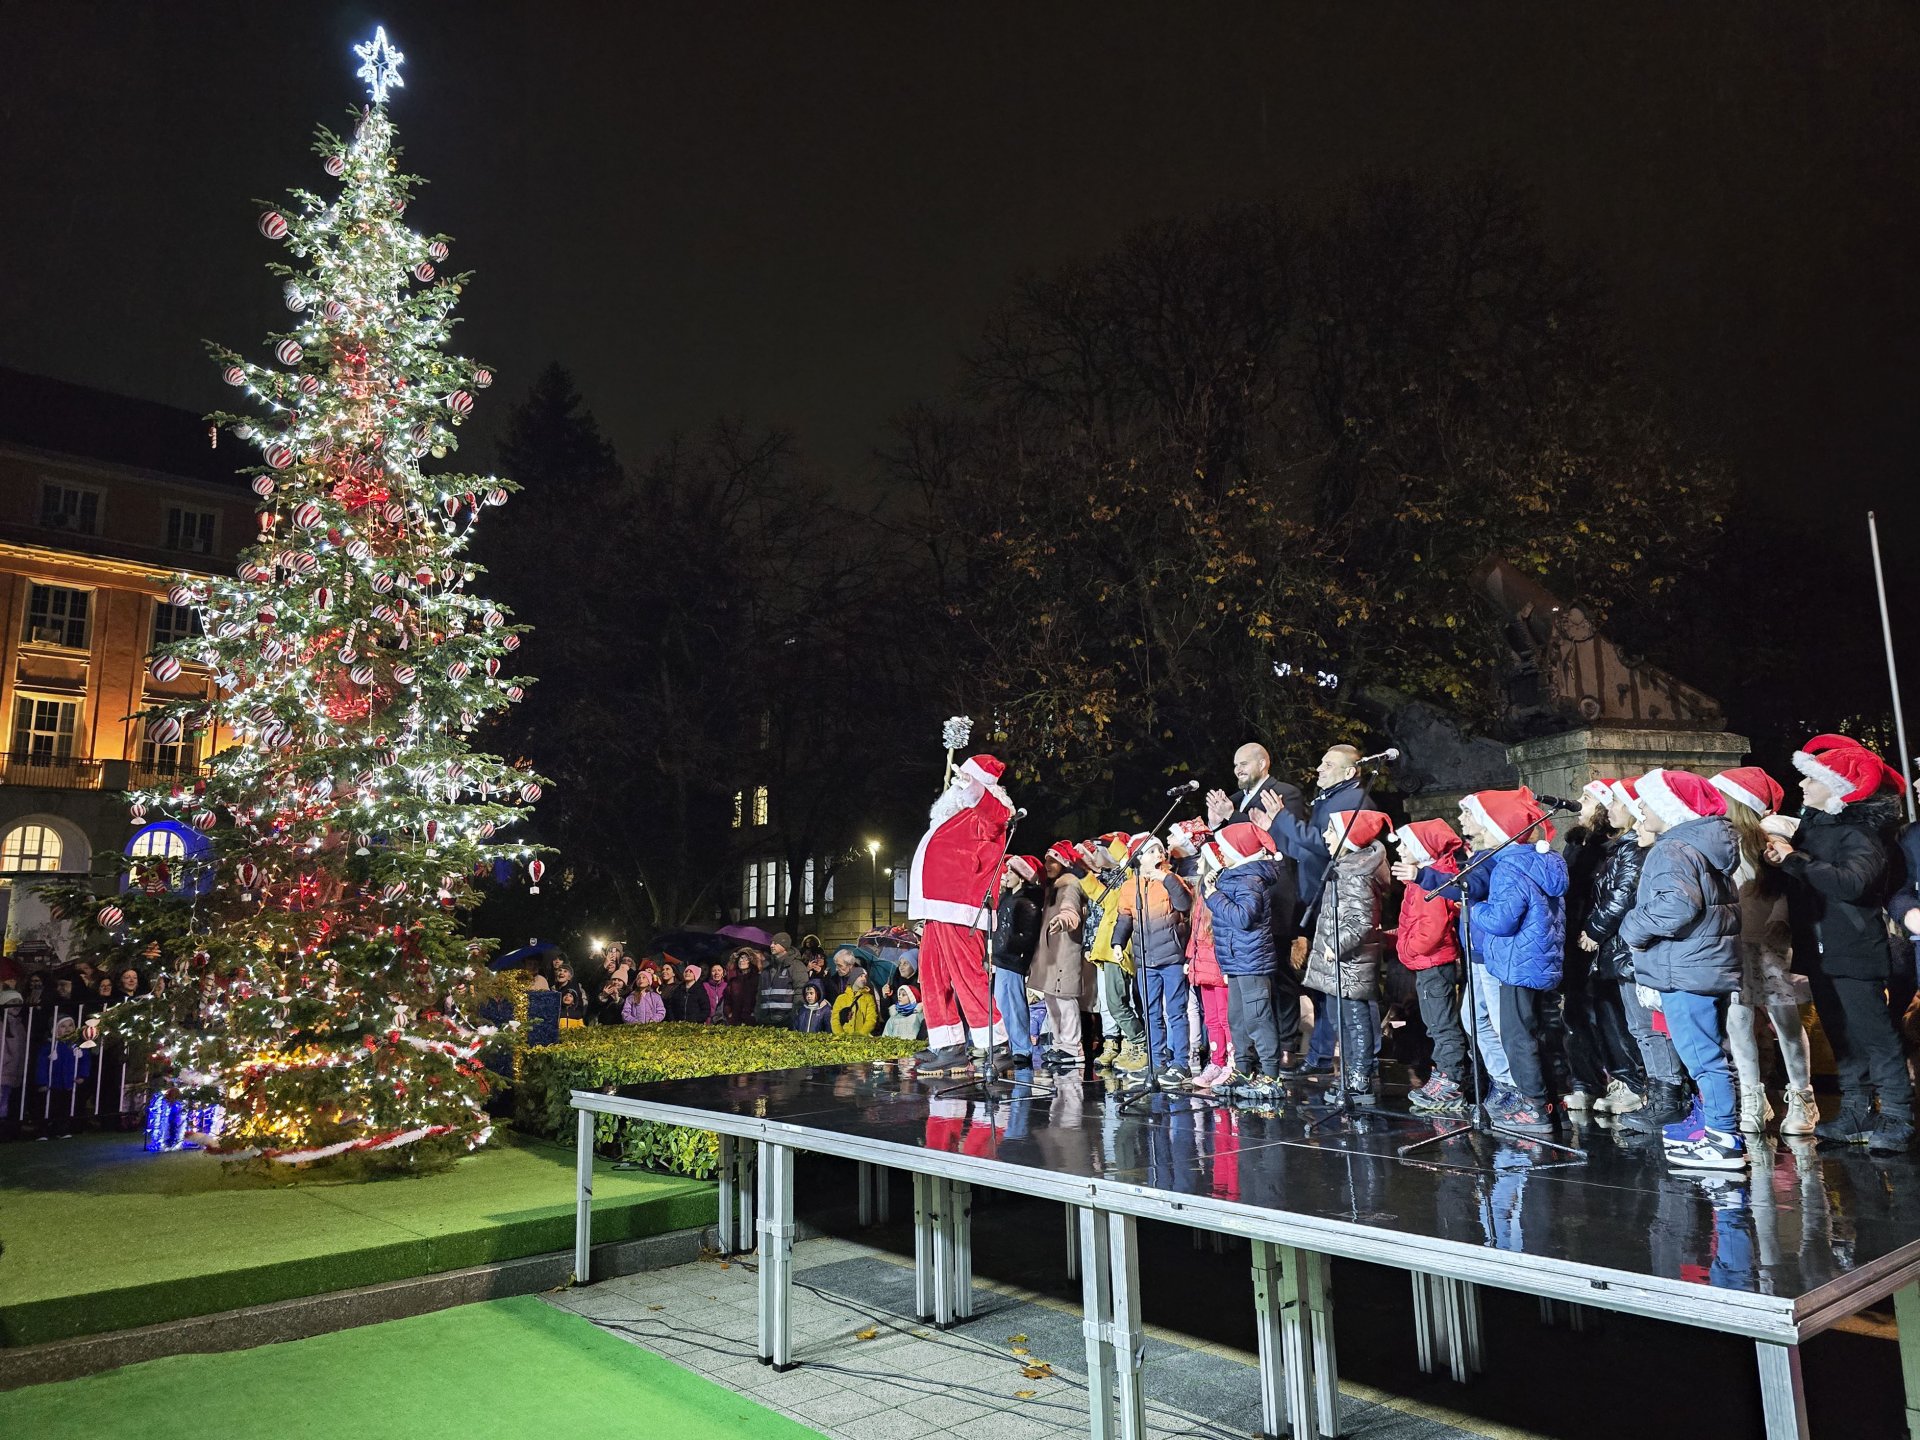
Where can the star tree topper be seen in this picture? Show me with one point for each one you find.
(381, 65)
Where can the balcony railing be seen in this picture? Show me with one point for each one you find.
(49, 772)
(151, 777)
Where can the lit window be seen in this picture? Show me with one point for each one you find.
(31, 847)
(174, 758)
(806, 888)
(174, 622)
(739, 808)
(43, 729)
(826, 897)
(900, 877)
(72, 508)
(57, 615)
(766, 728)
(750, 890)
(156, 842)
(759, 804)
(190, 530)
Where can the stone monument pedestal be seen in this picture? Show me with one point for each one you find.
(1562, 764)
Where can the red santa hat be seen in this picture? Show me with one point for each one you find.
(1359, 828)
(1185, 837)
(982, 770)
(1243, 841)
(1627, 792)
(1505, 813)
(1062, 852)
(1027, 867)
(1426, 841)
(1677, 796)
(1851, 771)
(1752, 787)
(1599, 791)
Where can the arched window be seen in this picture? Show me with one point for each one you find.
(31, 847)
(157, 841)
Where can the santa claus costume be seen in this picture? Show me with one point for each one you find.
(955, 875)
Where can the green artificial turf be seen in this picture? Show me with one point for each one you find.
(505, 1368)
(97, 1235)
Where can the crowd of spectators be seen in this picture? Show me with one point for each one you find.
(55, 1078)
(848, 992)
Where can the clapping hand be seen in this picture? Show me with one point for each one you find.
(1266, 809)
(1777, 849)
(1219, 807)
(1589, 944)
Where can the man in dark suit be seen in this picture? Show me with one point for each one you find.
(1260, 794)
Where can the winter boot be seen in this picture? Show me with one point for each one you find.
(1131, 1060)
(1803, 1113)
(1109, 1052)
(1892, 1136)
(1852, 1126)
(1664, 1104)
(1580, 1098)
(1755, 1110)
(952, 1060)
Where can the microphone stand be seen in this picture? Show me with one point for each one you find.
(1348, 1108)
(1479, 1123)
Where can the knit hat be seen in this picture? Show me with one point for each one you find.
(1852, 772)
(1359, 828)
(1505, 813)
(1599, 791)
(1027, 867)
(1677, 796)
(1752, 787)
(1062, 852)
(1426, 841)
(1185, 837)
(983, 770)
(783, 938)
(1244, 841)
(1627, 792)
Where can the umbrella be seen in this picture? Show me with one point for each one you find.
(513, 959)
(747, 935)
(694, 945)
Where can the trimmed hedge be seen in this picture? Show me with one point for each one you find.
(600, 1057)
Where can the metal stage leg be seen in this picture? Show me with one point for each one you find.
(746, 1188)
(583, 1198)
(1129, 1342)
(1906, 1313)
(1073, 1242)
(1446, 1326)
(942, 1199)
(1783, 1397)
(1296, 1344)
(1326, 1362)
(775, 1183)
(866, 1194)
(1266, 1324)
(1554, 1313)
(923, 1247)
(882, 1195)
(961, 1203)
(1096, 1324)
(729, 1178)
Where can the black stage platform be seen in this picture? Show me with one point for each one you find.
(1778, 1253)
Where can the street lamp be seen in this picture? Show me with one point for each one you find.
(873, 896)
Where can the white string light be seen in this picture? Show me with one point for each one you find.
(381, 67)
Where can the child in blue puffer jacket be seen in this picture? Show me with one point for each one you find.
(1519, 932)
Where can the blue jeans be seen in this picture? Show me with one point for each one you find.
(1163, 989)
(1698, 1025)
(1010, 999)
(1320, 1044)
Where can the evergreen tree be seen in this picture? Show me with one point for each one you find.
(319, 984)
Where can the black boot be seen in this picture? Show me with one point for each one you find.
(1666, 1104)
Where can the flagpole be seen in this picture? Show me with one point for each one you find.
(1893, 673)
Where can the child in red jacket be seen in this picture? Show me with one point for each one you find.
(1428, 942)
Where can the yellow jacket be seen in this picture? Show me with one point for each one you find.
(856, 1013)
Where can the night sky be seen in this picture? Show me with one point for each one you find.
(800, 213)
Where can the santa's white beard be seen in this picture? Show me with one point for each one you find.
(963, 794)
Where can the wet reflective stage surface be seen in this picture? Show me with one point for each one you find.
(1797, 1219)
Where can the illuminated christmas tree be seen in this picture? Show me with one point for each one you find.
(320, 986)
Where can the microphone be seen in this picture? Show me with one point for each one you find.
(1555, 802)
(1389, 754)
(1186, 789)
(1020, 814)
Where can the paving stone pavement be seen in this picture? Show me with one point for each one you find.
(868, 1371)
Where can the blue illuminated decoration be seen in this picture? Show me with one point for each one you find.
(186, 854)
